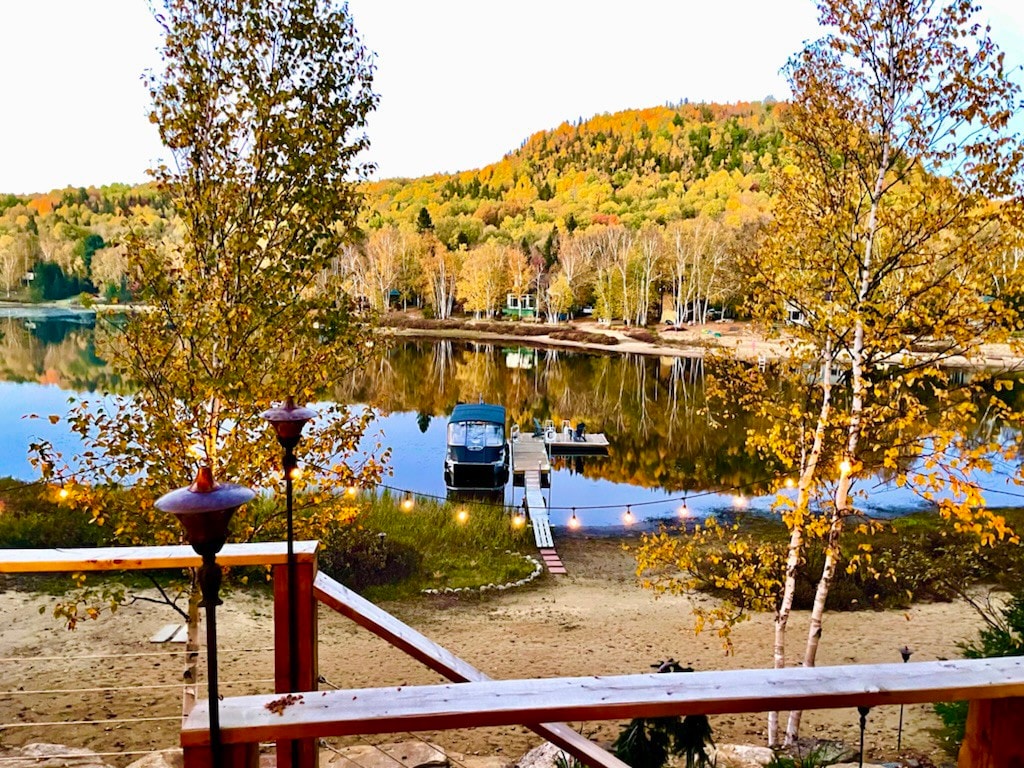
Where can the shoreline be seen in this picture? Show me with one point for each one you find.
(738, 338)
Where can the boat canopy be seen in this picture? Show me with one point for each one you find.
(492, 414)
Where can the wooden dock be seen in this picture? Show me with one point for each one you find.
(531, 468)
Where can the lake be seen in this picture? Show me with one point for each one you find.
(664, 446)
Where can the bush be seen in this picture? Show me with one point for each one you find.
(648, 742)
(29, 521)
(361, 558)
(583, 337)
(643, 334)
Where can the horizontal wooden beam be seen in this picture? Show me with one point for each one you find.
(508, 702)
(441, 660)
(147, 558)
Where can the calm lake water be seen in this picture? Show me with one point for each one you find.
(663, 446)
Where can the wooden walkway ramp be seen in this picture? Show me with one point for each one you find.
(532, 465)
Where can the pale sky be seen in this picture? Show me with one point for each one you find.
(462, 82)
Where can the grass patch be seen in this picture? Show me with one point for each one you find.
(388, 553)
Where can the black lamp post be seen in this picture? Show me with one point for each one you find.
(905, 654)
(288, 421)
(204, 510)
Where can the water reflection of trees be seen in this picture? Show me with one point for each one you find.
(54, 352)
(652, 409)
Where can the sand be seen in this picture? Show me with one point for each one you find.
(594, 621)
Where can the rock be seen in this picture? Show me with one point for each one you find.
(416, 754)
(50, 756)
(364, 755)
(402, 754)
(170, 758)
(540, 757)
(477, 761)
(742, 756)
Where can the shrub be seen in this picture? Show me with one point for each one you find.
(648, 742)
(29, 521)
(643, 334)
(361, 558)
(583, 337)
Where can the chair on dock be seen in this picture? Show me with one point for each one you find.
(579, 436)
(538, 428)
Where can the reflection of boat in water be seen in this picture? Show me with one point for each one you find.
(477, 454)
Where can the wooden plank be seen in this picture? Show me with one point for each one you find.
(444, 662)
(146, 558)
(165, 633)
(509, 702)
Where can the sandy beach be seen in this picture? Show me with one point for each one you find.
(594, 621)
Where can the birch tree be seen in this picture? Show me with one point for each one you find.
(900, 145)
(901, 179)
(261, 106)
(384, 255)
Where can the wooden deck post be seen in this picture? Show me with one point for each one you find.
(994, 735)
(306, 750)
(232, 756)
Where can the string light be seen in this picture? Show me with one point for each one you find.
(790, 482)
(295, 473)
(574, 522)
(684, 511)
(407, 502)
(845, 467)
(352, 490)
(63, 493)
(462, 515)
(518, 520)
(739, 501)
(627, 517)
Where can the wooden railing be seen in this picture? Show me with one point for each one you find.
(995, 687)
(273, 554)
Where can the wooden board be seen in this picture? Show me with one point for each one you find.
(167, 633)
(146, 558)
(508, 702)
(441, 660)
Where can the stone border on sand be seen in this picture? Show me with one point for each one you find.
(538, 569)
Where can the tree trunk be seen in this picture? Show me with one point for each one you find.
(853, 430)
(796, 538)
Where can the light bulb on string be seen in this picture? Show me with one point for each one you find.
(574, 522)
(407, 502)
(790, 482)
(739, 501)
(683, 511)
(352, 490)
(518, 520)
(63, 492)
(845, 467)
(627, 517)
(462, 516)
